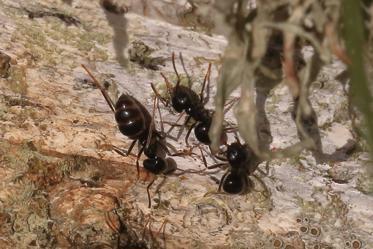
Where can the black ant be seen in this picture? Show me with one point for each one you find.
(135, 122)
(242, 162)
(184, 99)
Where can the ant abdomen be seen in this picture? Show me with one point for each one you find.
(132, 120)
(201, 131)
(155, 165)
(234, 183)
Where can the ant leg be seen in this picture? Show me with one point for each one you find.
(152, 126)
(182, 127)
(218, 165)
(188, 133)
(148, 191)
(164, 147)
(207, 90)
(113, 227)
(224, 159)
(222, 180)
(172, 124)
(110, 223)
(161, 120)
(175, 124)
(261, 171)
(207, 76)
(266, 172)
(122, 152)
(146, 224)
(219, 155)
(103, 91)
(163, 100)
(237, 139)
(137, 162)
(230, 104)
(248, 184)
(231, 129)
(203, 157)
(163, 229)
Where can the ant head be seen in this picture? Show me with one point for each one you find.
(234, 183)
(180, 100)
(201, 132)
(155, 165)
(237, 154)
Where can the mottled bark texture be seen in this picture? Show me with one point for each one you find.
(63, 186)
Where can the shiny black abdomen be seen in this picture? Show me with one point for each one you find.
(201, 131)
(234, 183)
(155, 165)
(132, 117)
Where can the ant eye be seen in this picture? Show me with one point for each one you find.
(233, 184)
(154, 165)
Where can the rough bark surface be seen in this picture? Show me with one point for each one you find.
(62, 185)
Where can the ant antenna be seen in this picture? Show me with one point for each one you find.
(168, 85)
(151, 125)
(207, 77)
(177, 74)
(103, 91)
(162, 99)
(237, 139)
(184, 68)
(148, 191)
